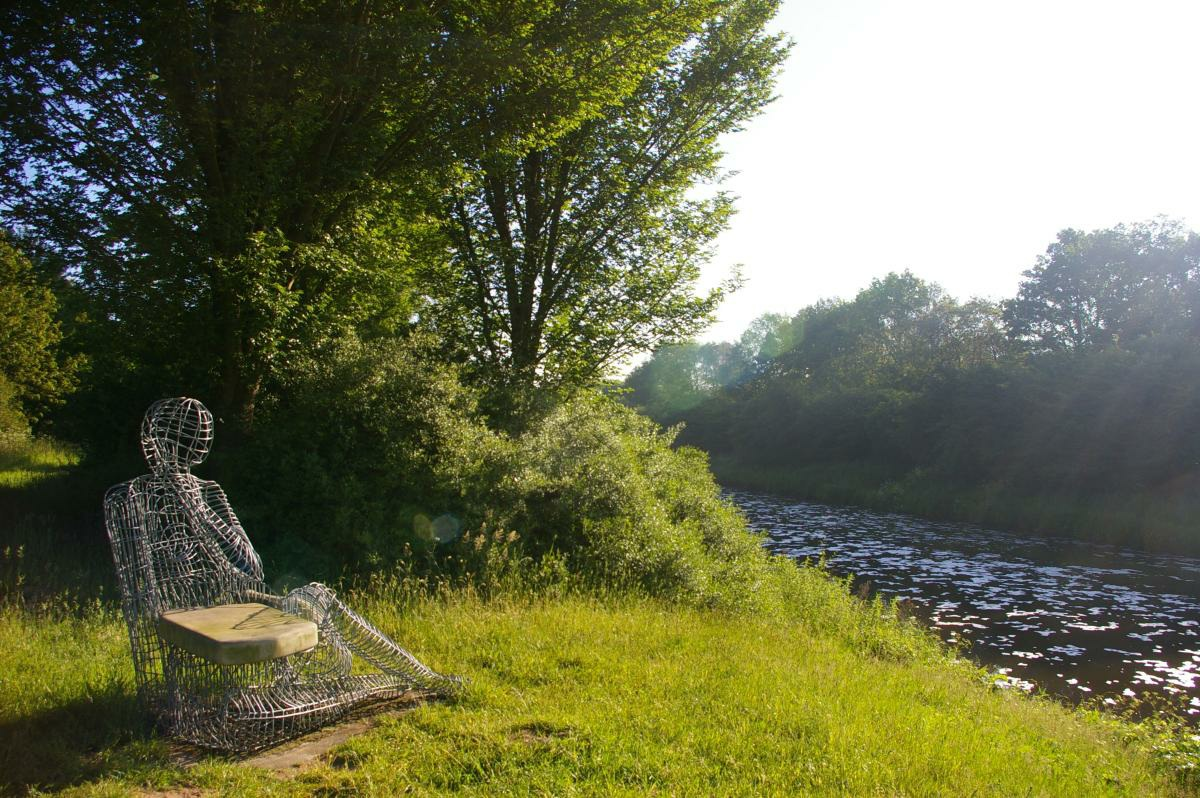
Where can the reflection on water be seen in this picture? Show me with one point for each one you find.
(1074, 619)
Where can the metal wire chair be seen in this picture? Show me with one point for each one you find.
(178, 545)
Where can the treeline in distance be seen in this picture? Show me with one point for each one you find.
(1071, 408)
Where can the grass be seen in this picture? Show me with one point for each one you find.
(53, 547)
(580, 695)
(24, 462)
(570, 693)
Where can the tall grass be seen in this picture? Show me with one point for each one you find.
(573, 694)
(25, 461)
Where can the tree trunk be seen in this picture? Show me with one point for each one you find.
(238, 385)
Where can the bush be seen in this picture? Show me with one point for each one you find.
(36, 376)
(367, 456)
(375, 456)
(600, 485)
(14, 427)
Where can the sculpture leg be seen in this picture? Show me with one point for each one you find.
(339, 623)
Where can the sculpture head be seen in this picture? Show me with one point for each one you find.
(176, 433)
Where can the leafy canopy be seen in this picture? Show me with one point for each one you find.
(1091, 290)
(570, 256)
(234, 182)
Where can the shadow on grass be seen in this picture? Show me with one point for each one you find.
(107, 734)
(104, 733)
(53, 547)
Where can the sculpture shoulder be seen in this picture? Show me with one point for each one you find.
(124, 492)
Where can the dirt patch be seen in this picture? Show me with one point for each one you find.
(540, 732)
(290, 758)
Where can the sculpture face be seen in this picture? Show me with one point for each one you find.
(176, 433)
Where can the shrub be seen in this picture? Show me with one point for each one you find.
(602, 486)
(365, 457)
(14, 427)
(375, 456)
(36, 377)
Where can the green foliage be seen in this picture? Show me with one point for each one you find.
(207, 173)
(569, 257)
(601, 485)
(844, 382)
(1114, 286)
(366, 455)
(766, 338)
(232, 184)
(898, 332)
(1160, 724)
(678, 377)
(14, 426)
(929, 405)
(374, 456)
(34, 375)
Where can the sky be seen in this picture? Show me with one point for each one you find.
(956, 139)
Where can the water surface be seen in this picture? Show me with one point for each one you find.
(1073, 619)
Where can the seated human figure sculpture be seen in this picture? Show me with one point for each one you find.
(222, 660)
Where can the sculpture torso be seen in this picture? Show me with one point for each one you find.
(181, 541)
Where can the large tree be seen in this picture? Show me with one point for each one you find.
(570, 255)
(230, 179)
(1112, 286)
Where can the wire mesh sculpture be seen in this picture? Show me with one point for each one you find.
(178, 546)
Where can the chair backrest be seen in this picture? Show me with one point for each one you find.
(125, 519)
(176, 543)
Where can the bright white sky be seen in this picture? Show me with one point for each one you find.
(956, 138)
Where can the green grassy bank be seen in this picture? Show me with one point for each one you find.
(572, 690)
(1166, 520)
(578, 695)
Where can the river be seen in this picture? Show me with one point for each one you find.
(1072, 619)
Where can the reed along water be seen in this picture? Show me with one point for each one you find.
(1074, 619)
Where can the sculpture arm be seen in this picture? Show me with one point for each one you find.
(223, 523)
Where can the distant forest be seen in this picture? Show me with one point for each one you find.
(1072, 408)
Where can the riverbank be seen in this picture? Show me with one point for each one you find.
(571, 691)
(1163, 521)
(574, 694)
(1078, 620)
